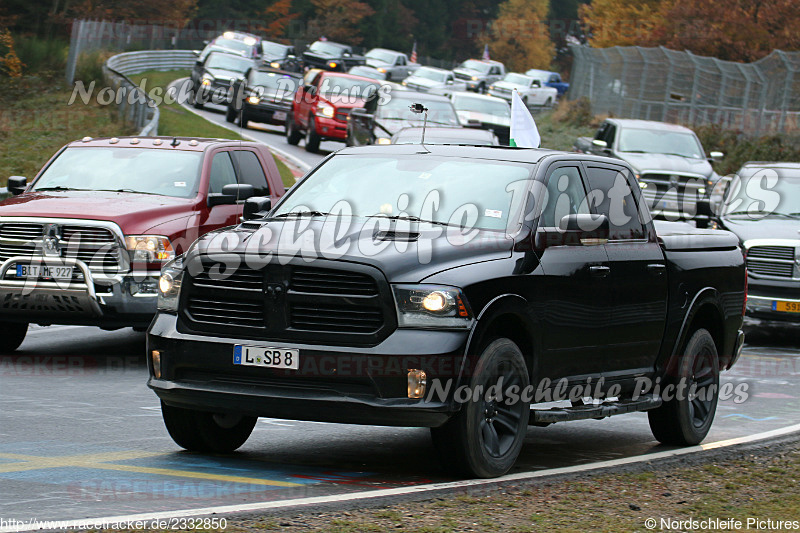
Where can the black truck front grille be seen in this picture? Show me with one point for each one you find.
(293, 302)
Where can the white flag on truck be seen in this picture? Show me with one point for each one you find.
(524, 132)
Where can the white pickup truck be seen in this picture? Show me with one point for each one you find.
(530, 90)
(395, 65)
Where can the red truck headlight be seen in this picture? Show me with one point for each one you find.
(149, 248)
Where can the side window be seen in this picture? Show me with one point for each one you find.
(610, 133)
(612, 196)
(401, 61)
(250, 171)
(536, 83)
(565, 196)
(222, 172)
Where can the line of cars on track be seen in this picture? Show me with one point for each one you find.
(261, 81)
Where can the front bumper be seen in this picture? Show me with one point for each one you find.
(115, 302)
(343, 384)
(267, 113)
(764, 309)
(504, 95)
(330, 128)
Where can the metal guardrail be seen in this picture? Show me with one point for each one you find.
(135, 106)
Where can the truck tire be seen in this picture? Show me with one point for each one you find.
(685, 419)
(485, 437)
(199, 431)
(230, 114)
(481, 88)
(197, 102)
(11, 335)
(243, 120)
(549, 102)
(312, 139)
(292, 135)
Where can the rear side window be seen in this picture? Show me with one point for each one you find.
(251, 172)
(222, 172)
(610, 194)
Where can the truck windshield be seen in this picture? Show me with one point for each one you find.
(382, 55)
(322, 47)
(765, 192)
(110, 168)
(479, 66)
(274, 50)
(430, 74)
(459, 191)
(660, 142)
(518, 79)
(464, 102)
(440, 112)
(229, 62)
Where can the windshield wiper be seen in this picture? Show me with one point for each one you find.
(127, 190)
(412, 218)
(764, 214)
(58, 188)
(302, 214)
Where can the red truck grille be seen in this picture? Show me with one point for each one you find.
(96, 246)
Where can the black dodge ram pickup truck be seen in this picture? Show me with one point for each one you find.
(440, 286)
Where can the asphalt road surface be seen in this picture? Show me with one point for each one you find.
(81, 435)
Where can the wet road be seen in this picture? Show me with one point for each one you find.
(81, 435)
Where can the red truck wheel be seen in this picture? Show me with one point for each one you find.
(11, 336)
(312, 138)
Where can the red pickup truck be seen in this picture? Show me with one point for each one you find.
(85, 241)
(321, 106)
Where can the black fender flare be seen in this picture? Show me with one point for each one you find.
(508, 303)
(706, 295)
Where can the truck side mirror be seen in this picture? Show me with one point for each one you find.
(17, 184)
(600, 144)
(231, 194)
(702, 218)
(256, 207)
(715, 156)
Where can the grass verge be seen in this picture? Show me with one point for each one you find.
(176, 120)
(36, 120)
(763, 486)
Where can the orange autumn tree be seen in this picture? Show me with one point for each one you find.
(338, 20)
(277, 17)
(732, 29)
(736, 30)
(9, 62)
(623, 22)
(519, 38)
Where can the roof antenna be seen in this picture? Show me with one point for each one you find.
(419, 108)
(175, 142)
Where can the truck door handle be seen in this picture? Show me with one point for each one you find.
(656, 269)
(599, 271)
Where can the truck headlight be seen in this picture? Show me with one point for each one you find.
(253, 100)
(149, 248)
(325, 110)
(275, 64)
(474, 78)
(333, 64)
(169, 285)
(383, 140)
(431, 306)
(207, 80)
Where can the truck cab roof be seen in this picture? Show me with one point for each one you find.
(196, 144)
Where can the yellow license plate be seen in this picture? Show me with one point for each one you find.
(787, 307)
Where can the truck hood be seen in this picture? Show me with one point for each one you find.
(224, 75)
(764, 228)
(424, 82)
(401, 261)
(667, 163)
(133, 213)
(511, 86)
(469, 72)
(377, 63)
